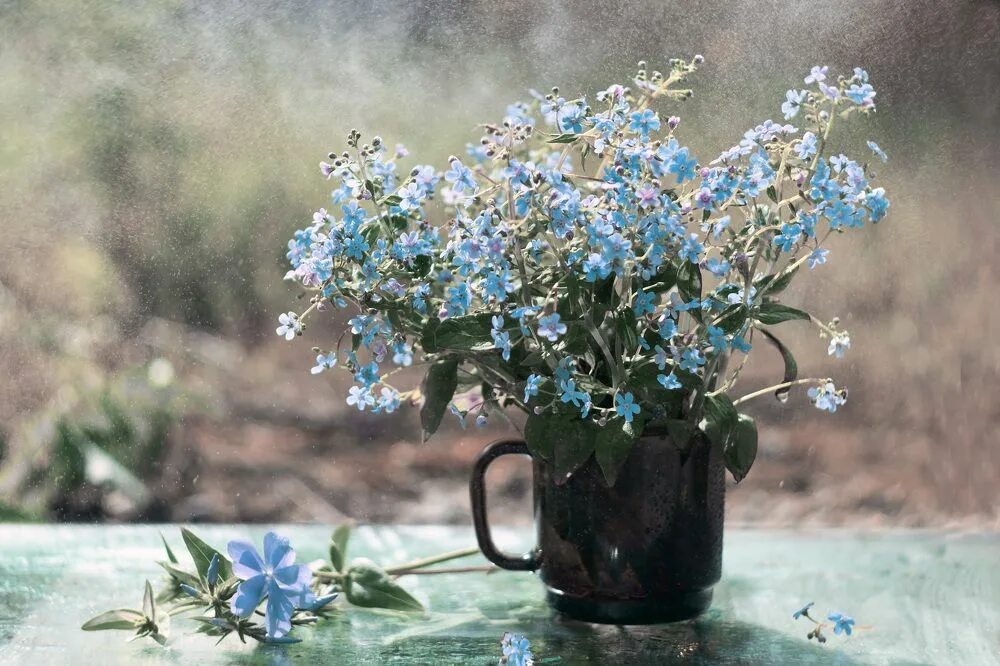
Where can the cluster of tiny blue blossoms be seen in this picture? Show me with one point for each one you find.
(842, 624)
(579, 258)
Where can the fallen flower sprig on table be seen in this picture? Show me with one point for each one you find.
(842, 624)
(264, 596)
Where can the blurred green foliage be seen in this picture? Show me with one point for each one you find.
(112, 439)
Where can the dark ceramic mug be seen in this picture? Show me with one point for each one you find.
(647, 550)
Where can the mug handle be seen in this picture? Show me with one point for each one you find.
(477, 490)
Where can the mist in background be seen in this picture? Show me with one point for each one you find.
(155, 159)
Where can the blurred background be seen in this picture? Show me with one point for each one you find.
(156, 157)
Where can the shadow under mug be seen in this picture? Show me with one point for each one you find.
(646, 550)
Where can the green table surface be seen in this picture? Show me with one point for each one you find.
(930, 597)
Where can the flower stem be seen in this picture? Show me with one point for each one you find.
(486, 568)
(434, 559)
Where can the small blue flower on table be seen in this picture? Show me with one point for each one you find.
(802, 612)
(516, 650)
(841, 623)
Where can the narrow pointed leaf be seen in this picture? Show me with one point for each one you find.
(170, 552)
(180, 574)
(791, 367)
(564, 138)
(202, 553)
(149, 602)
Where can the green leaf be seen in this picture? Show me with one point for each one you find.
(663, 281)
(338, 545)
(179, 574)
(369, 586)
(391, 200)
(775, 313)
(532, 359)
(689, 284)
(564, 138)
(681, 431)
(14, 514)
(149, 602)
(625, 325)
(772, 194)
(572, 447)
(438, 389)
(122, 618)
(741, 449)
(202, 553)
(166, 546)
(733, 318)
(69, 463)
(612, 445)
(466, 333)
(421, 266)
(720, 419)
(791, 367)
(774, 283)
(540, 433)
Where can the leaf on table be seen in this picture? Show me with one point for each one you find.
(369, 586)
(122, 618)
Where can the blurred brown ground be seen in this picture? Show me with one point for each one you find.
(153, 162)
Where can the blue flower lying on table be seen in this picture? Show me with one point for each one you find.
(274, 577)
(804, 611)
(224, 596)
(516, 650)
(842, 624)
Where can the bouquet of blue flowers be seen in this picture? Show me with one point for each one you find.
(582, 265)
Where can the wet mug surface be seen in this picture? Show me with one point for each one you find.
(647, 550)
